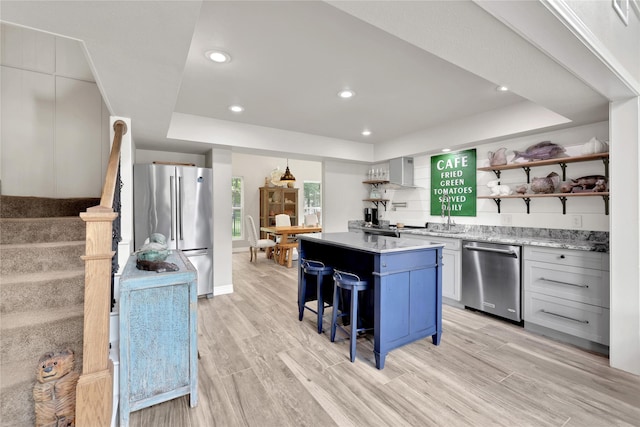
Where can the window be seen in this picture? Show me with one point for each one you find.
(312, 198)
(237, 208)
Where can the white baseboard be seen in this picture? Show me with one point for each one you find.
(114, 355)
(222, 290)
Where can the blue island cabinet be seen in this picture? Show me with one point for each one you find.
(158, 335)
(407, 299)
(407, 283)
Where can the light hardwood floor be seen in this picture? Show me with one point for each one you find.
(260, 366)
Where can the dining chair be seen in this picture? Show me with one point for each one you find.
(310, 220)
(283, 220)
(254, 242)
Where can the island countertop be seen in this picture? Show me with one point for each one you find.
(582, 240)
(370, 243)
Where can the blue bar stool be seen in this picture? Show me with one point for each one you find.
(318, 269)
(350, 282)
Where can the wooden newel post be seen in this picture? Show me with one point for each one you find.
(94, 393)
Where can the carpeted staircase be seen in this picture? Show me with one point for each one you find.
(41, 293)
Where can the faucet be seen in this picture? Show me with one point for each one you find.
(446, 206)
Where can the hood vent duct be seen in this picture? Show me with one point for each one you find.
(401, 173)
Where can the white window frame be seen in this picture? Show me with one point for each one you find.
(304, 199)
(235, 210)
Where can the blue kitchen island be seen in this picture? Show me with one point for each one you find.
(406, 304)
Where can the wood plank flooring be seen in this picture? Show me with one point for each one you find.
(260, 366)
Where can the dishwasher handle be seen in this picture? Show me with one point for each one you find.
(507, 252)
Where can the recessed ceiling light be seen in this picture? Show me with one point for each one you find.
(366, 132)
(502, 89)
(236, 108)
(446, 150)
(218, 56)
(346, 94)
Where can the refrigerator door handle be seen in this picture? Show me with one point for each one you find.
(172, 203)
(180, 208)
(195, 252)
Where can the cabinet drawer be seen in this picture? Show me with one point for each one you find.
(573, 318)
(453, 244)
(585, 285)
(567, 257)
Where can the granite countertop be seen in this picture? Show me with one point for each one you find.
(583, 240)
(369, 242)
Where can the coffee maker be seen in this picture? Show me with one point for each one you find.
(371, 216)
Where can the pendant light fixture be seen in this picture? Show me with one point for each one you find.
(287, 177)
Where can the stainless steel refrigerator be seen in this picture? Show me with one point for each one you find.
(176, 201)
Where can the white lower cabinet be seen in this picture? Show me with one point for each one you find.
(451, 268)
(567, 291)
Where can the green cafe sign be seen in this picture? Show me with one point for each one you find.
(453, 176)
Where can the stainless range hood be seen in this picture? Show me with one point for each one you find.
(401, 172)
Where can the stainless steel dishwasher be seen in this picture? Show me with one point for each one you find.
(492, 278)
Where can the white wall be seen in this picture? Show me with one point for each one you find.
(221, 163)
(342, 193)
(55, 135)
(544, 212)
(625, 241)
(254, 169)
(258, 138)
(621, 40)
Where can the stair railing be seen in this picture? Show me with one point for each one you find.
(94, 392)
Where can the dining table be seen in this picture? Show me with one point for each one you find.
(285, 231)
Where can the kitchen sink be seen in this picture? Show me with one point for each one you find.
(448, 231)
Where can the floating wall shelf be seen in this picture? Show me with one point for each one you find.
(562, 161)
(562, 196)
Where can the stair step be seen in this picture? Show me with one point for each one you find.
(40, 257)
(28, 335)
(39, 230)
(42, 290)
(40, 207)
(16, 394)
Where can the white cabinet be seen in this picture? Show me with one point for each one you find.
(451, 264)
(567, 291)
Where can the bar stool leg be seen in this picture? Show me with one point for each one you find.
(354, 322)
(302, 292)
(320, 310)
(334, 315)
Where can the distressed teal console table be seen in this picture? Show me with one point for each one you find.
(158, 335)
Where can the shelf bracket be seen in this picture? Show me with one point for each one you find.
(563, 199)
(498, 202)
(605, 160)
(527, 201)
(527, 170)
(606, 204)
(383, 203)
(497, 172)
(564, 171)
